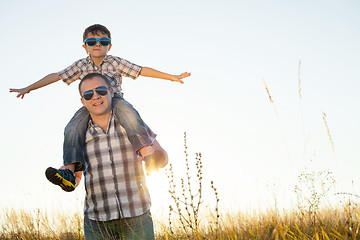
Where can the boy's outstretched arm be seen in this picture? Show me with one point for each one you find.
(149, 72)
(51, 78)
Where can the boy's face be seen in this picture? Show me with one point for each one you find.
(97, 51)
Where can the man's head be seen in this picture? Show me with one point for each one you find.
(96, 94)
(97, 40)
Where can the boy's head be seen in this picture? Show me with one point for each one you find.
(97, 41)
(95, 30)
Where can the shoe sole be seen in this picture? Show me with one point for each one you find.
(54, 177)
(165, 159)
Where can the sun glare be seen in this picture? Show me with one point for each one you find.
(157, 184)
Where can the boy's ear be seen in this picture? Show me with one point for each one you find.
(109, 47)
(82, 101)
(84, 46)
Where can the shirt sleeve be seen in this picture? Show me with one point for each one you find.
(127, 69)
(70, 74)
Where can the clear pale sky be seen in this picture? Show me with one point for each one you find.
(251, 148)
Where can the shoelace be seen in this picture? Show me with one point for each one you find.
(65, 173)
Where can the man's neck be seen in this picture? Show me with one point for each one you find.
(102, 120)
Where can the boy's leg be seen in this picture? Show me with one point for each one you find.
(139, 134)
(159, 160)
(74, 139)
(74, 160)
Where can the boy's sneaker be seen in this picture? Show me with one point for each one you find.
(64, 178)
(158, 159)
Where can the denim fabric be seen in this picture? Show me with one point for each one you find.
(139, 134)
(74, 139)
(138, 228)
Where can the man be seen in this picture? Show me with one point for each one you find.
(117, 201)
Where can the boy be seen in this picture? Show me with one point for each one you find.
(97, 43)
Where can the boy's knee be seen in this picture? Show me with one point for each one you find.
(70, 129)
(76, 125)
(121, 104)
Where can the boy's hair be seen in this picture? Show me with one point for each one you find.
(95, 29)
(92, 75)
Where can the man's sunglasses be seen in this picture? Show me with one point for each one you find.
(102, 90)
(92, 41)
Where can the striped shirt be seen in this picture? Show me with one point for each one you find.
(113, 67)
(114, 178)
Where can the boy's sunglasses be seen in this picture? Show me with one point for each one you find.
(92, 41)
(102, 90)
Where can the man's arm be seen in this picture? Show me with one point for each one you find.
(149, 72)
(51, 78)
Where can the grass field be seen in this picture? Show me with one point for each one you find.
(191, 218)
(328, 223)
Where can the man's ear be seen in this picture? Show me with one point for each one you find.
(112, 92)
(82, 101)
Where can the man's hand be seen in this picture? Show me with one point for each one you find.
(77, 175)
(21, 91)
(177, 78)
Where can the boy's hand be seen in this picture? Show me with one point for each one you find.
(51, 78)
(149, 72)
(177, 78)
(21, 91)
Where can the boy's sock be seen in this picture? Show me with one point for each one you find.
(146, 151)
(64, 178)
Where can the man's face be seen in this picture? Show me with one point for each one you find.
(97, 105)
(97, 51)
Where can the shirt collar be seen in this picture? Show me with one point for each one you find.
(89, 60)
(95, 130)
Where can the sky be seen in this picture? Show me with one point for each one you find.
(252, 149)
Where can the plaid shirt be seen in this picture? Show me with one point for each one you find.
(114, 178)
(113, 67)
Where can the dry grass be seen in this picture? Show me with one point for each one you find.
(190, 219)
(331, 223)
(37, 224)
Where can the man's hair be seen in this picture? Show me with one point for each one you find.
(91, 76)
(95, 29)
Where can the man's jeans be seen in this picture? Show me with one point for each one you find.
(137, 228)
(139, 134)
